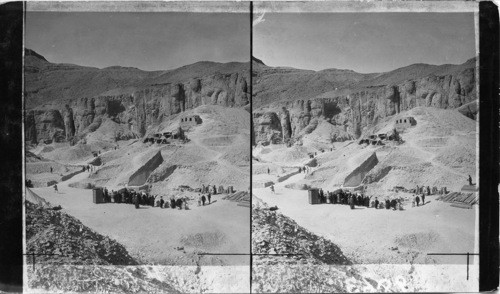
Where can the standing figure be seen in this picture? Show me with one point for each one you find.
(423, 199)
(203, 199)
(161, 202)
(376, 203)
(55, 188)
(470, 180)
(417, 199)
(136, 201)
(209, 198)
(351, 201)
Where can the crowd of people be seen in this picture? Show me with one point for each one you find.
(305, 169)
(344, 197)
(143, 198)
(358, 199)
(129, 196)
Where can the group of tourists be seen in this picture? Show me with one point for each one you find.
(129, 196)
(143, 198)
(202, 199)
(305, 169)
(358, 199)
(211, 189)
(207, 191)
(395, 204)
(344, 197)
(416, 200)
(89, 168)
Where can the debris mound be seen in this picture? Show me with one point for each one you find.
(274, 233)
(76, 259)
(356, 177)
(142, 174)
(70, 242)
(50, 278)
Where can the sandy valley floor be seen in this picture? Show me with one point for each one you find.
(367, 235)
(151, 234)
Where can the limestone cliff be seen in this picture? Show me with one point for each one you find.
(68, 101)
(355, 101)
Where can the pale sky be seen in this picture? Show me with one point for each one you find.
(363, 42)
(149, 41)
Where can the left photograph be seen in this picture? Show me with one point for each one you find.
(137, 147)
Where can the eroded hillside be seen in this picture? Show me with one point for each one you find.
(66, 102)
(289, 103)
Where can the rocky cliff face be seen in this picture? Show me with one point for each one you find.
(359, 104)
(136, 104)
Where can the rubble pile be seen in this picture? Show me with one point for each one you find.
(307, 277)
(321, 266)
(52, 278)
(70, 257)
(70, 242)
(274, 233)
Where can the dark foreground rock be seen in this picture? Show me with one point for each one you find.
(290, 259)
(93, 278)
(274, 233)
(55, 232)
(70, 257)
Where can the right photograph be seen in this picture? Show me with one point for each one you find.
(364, 149)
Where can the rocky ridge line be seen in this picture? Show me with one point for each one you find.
(355, 102)
(66, 102)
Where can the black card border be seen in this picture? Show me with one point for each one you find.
(11, 215)
(488, 146)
